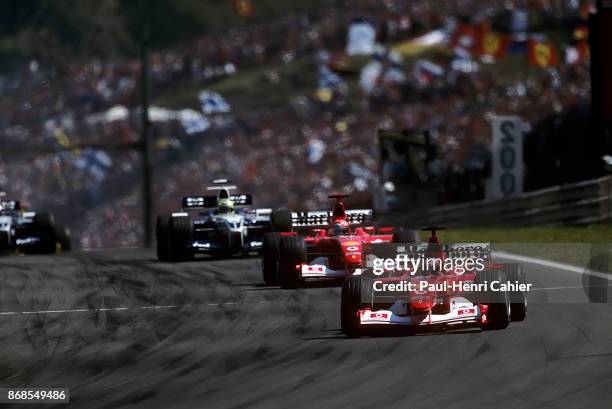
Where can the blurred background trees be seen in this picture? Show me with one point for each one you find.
(54, 30)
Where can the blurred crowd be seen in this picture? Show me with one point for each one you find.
(68, 131)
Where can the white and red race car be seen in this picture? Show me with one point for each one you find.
(418, 298)
(322, 245)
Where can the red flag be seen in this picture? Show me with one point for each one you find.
(464, 38)
(542, 53)
(584, 51)
(491, 43)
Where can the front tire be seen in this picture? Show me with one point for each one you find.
(162, 237)
(5, 241)
(498, 302)
(356, 292)
(270, 252)
(181, 231)
(292, 252)
(518, 299)
(44, 226)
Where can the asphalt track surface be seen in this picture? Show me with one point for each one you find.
(128, 331)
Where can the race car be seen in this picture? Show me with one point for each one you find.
(322, 245)
(485, 295)
(220, 225)
(29, 232)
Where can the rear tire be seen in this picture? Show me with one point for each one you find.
(181, 231)
(162, 237)
(270, 252)
(5, 241)
(498, 302)
(281, 221)
(292, 252)
(44, 226)
(356, 293)
(401, 235)
(518, 299)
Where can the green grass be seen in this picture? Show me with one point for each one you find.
(600, 233)
(250, 88)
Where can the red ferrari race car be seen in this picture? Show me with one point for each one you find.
(432, 286)
(322, 245)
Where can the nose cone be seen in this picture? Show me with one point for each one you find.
(422, 300)
(354, 259)
(421, 305)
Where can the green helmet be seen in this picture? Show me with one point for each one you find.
(226, 205)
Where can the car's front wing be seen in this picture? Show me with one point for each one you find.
(464, 315)
(205, 246)
(318, 269)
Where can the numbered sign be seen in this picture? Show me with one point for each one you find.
(506, 158)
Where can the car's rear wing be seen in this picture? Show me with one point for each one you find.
(10, 204)
(321, 218)
(207, 202)
(219, 184)
(199, 202)
(424, 250)
(459, 250)
(243, 199)
(259, 216)
(263, 212)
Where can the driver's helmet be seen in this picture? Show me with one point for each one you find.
(340, 227)
(225, 205)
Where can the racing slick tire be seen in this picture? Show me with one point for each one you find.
(401, 235)
(181, 230)
(235, 244)
(44, 226)
(498, 302)
(518, 299)
(292, 251)
(269, 262)
(281, 220)
(162, 237)
(356, 292)
(63, 239)
(5, 241)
